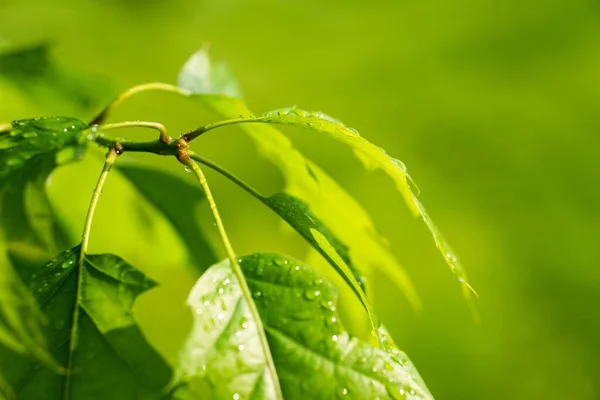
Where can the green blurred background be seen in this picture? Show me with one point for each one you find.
(493, 106)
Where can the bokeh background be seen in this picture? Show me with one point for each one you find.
(493, 106)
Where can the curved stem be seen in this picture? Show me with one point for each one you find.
(134, 90)
(111, 158)
(235, 266)
(163, 134)
(209, 127)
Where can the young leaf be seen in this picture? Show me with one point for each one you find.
(318, 193)
(201, 75)
(175, 199)
(109, 357)
(276, 147)
(314, 356)
(373, 157)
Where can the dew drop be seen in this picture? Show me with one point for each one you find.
(241, 347)
(236, 396)
(238, 333)
(206, 303)
(220, 290)
(412, 392)
(335, 339)
(257, 294)
(354, 131)
(279, 262)
(402, 392)
(317, 282)
(312, 294)
(187, 169)
(244, 325)
(220, 317)
(344, 392)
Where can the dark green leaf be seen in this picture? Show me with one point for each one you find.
(301, 218)
(314, 356)
(20, 319)
(89, 299)
(28, 154)
(176, 200)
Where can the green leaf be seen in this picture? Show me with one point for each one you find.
(28, 154)
(6, 391)
(373, 157)
(201, 75)
(300, 172)
(175, 199)
(36, 73)
(20, 319)
(307, 184)
(88, 301)
(313, 354)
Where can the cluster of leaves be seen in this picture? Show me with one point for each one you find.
(265, 325)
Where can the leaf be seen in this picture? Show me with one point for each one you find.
(176, 200)
(201, 75)
(313, 354)
(35, 72)
(5, 390)
(89, 299)
(20, 319)
(373, 157)
(307, 184)
(28, 153)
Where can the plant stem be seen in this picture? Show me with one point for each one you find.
(164, 136)
(235, 266)
(229, 175)
(111, 158)
(134, 90)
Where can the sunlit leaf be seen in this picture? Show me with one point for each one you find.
(311, 186)
(201, 75)
(314, 356)
(372, 157)
(91, 331)
(176, 200)
(301, 172)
